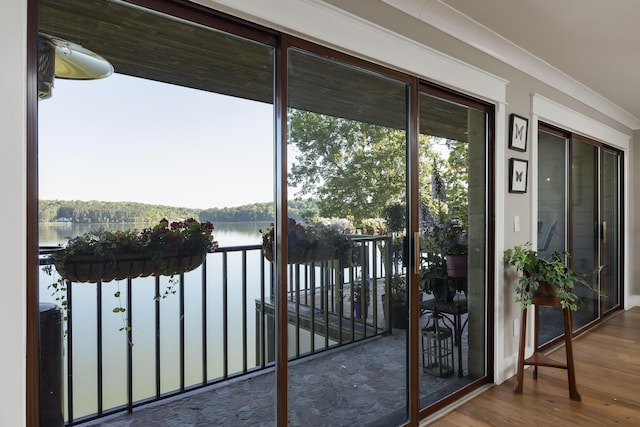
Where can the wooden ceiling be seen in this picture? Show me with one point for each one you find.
(159, 47)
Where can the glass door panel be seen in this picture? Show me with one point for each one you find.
(552, 214)
(167, 135)
(592, 207)
(610, 277)
(585, 232)
(347, 278)
(453, 232)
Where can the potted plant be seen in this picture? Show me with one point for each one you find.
(445, 250)
(433, 277)
(164, 249)
(398, 302)
(361, 293)
(455, 249)
(309, 242)
(543, 279)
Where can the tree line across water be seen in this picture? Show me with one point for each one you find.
(344, 169)
(95, 211)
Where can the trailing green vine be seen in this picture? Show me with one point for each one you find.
(552, 271)
(167, 249)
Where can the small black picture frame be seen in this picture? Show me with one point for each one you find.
(518, 131)
(518, 171)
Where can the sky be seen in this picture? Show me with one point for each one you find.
(128, 139)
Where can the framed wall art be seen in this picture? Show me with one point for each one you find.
(518, 130)
(518, 169)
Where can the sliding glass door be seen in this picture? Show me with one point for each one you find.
(453, 182)
(347, 152)
(585, 231)
(578, 211)
(610, 237)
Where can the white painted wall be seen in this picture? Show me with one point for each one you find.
(13, 19)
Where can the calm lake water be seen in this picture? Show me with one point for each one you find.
(115, 345)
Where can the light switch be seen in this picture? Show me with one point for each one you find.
(516, 224)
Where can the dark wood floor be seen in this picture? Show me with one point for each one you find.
(608, 379)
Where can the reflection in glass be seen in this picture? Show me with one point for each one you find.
(552, 196)
(452, 177)
(593, 209)
(585, 213)
(168, 130)
(347, 278)
(609, 234)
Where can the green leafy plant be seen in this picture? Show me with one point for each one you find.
(398, 289)
(395, 302)
(361, 288)
(432, 269)
(552, 271)
(442, 236)
(160, 241)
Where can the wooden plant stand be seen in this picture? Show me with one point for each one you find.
(538, 358)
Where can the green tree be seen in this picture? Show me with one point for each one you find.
(354, 169)
(444, 179)
(457, 182)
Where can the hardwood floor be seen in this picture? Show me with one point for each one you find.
(608, 379)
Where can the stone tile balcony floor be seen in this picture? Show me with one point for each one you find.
(359, 385)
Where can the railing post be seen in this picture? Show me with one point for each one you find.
(69, 353)
(182, 331)
(99, 345)
(204, 322)
(388, 274)
(129, 348)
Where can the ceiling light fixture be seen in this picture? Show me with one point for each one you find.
(67, 60)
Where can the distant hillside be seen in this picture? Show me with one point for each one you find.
(130, 212)
(259, 212)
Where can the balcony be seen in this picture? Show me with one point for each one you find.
(214, 338)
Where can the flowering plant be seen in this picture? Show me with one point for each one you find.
(311, 241)
(442, 237)
(178, 238)
(445, 238)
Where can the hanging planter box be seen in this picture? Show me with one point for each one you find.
(308, 243)
(87, 268)
(165, 249)
(306, 256)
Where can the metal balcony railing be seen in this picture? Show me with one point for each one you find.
(219, 324)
